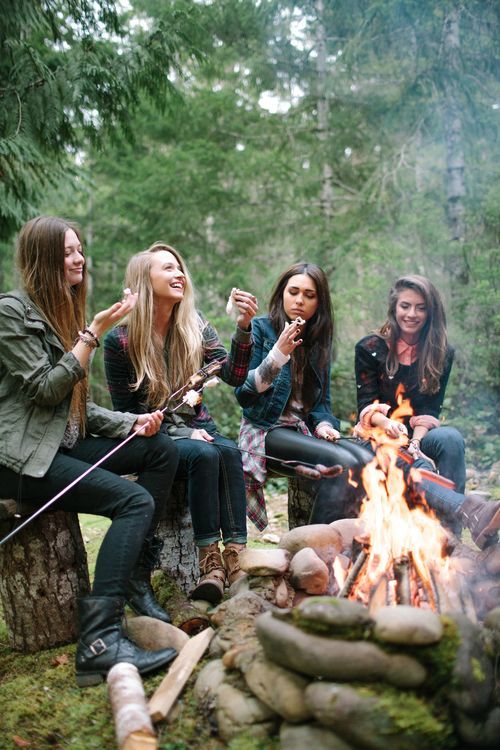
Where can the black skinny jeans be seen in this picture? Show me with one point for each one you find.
(336, 494)
(133, 507)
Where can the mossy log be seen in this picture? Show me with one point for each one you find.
(43, 571)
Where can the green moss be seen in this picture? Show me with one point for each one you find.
(411, 717)
(245, 741)
(439, 658)
(477, 670)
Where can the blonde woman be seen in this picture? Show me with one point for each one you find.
(150, 356)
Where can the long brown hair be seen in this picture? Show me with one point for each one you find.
(40, 258)
(318, 333)
(161, 366)
(433, 341)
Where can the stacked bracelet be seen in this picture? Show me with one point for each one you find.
(91, 341)
(91, 333)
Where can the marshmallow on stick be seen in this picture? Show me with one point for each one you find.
(231, 307)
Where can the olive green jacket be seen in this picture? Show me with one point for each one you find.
(37, 378)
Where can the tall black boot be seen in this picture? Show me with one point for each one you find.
(102, 645)
(140, 595)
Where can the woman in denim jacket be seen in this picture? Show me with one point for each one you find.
(51, 433)
(286, 396)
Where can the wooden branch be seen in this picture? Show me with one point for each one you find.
(179, 673)
(133, 726)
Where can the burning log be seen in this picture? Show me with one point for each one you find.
(402, 572)
(353, 574)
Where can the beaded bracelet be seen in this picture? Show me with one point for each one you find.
(91, 333)
(86, 340)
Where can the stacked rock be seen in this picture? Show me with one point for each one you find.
(327, 671)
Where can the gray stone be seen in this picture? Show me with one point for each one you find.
(473, 679)
(348, 528)
(325, 540)
(408, 625)
(264, 562)
(280, 689)
(238, 711)
(301, 736)
(332, 615)
(152, 634)
(308, 572)
(366, 722)
(317, 655)
(483, 731)
(492, 619)
(405, 672)
(207, 683)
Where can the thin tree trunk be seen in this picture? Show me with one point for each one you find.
(323, 107)
(455, 162)
(43, 571)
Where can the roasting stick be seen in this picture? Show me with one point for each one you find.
(195, 381)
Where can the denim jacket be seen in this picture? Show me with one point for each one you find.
(264, 409)
(37, 378)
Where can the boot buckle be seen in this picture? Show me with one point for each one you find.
(98, 647)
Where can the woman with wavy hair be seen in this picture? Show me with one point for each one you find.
(51, 434)
(152, 355)
(286, 402)
(410, 357)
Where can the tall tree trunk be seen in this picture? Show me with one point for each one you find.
(323, 106)
(455, 162)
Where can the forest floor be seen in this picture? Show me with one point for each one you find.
(42, 709)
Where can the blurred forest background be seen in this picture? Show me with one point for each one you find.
(362, 135)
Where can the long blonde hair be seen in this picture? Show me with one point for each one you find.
(40, 258)
(161, 367)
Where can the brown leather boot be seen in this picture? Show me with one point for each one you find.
(482, 518)
(210, 586)
(232, 562)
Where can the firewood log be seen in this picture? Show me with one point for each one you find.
(133, 726)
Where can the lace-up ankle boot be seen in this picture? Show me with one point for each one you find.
(210, 586)
(231, 557)
(482, 518)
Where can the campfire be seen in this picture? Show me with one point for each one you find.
(403, 556)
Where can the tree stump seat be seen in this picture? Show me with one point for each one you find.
(43, 570)
(301, 496)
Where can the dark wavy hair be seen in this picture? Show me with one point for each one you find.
(433, 341)
(318, 333)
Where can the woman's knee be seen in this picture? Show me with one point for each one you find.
(445, 439)
(134, 501)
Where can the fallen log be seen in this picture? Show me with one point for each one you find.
(133, 726)
(180, 670)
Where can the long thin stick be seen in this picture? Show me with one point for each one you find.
(209, 370)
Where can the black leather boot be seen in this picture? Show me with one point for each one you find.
(102, 644)
(140, 595)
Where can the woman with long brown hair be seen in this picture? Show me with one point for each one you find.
(286, 402)
(153, 354)
(410, 357)
(51, 434)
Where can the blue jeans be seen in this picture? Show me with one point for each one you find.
(133, 507)
(216, 489)
(446, 447)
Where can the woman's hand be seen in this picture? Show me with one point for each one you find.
(109, 317)
(288, 340)
(326, 432)
(151, 421)
(247, 307)
(202, 435)
(394, 428)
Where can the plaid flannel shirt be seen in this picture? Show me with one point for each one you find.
(120, 374)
